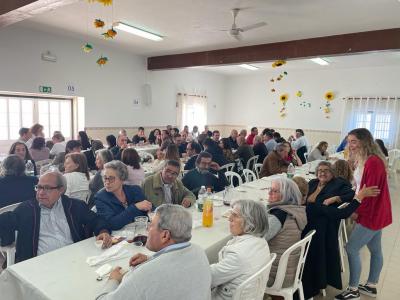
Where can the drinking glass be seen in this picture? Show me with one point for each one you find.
(141, 230)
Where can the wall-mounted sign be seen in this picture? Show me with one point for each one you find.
(45, 89)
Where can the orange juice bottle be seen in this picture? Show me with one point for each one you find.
(208, 216)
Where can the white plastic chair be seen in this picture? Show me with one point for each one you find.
(251, 162)
(253, 287)
(249, 175)
(257, 169)
(9, 251)
(227, 167)
(230, 175)
(287, 293)
(81, 195)
(342, 238)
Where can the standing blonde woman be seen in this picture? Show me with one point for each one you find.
(372, 216)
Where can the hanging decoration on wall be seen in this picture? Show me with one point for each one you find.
(104, 2)
(102, 61)
(283, 99)
(299, 94)
(278, 63)
(87, 48)
(98, 23)
(109, 34)
(329, 97)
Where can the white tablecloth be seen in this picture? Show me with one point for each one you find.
(147, 148)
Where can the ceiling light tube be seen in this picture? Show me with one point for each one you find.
(137, 31)
(319, 61)
(248, 67)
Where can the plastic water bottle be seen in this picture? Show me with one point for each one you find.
(200, 198)
(29, 168)
(208, 210)
(290, 171)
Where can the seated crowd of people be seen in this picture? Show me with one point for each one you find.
(86, 189)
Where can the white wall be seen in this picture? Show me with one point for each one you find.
(251, 101)
(109, 91)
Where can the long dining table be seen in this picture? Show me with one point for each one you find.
(63, 274)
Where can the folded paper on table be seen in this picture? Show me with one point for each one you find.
(104, 269)
(115, 252)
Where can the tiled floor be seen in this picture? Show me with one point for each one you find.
(389, 282)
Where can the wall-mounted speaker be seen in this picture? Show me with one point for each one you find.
(146, 92)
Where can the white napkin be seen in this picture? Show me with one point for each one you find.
(104, 269)
(115, 252)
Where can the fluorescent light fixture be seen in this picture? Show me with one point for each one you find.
(248, 67)
(137, 31)
(320, 61)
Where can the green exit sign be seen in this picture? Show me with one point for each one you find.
(45, 89)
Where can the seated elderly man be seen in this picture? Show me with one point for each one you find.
(122, 143)
(232, 139)
(51, 221)
(275, 162)
(178, 269)
(164, 187)
(206, 173)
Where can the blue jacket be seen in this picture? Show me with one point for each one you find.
(109, 207)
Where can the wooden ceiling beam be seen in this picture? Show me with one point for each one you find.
(343, 44)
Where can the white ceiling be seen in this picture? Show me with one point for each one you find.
(194, 25)
(374, 59)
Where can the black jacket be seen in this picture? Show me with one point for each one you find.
(336, 187)
(193, 180)
(26, 220)
(191, 163)
(261, 150)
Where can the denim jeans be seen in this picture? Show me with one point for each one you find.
(360, 237)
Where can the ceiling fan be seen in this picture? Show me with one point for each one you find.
(235, 31)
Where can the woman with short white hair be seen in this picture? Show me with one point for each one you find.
(246, 253)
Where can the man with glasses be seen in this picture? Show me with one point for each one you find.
(207, 173)
(164, 187)
(51, 221)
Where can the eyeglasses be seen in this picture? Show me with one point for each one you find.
(45, 188)
(172, 173)
(324, 171)
(110, 179)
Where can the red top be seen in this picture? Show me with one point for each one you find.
(375, 212)
(250, 139)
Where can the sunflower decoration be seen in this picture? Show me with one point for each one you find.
(278, 63)
(105, 2)
(329, 96)
(299, 94)
(98, 23)
(284, 98)
(102, 61)
(109, 34)
(87, 48)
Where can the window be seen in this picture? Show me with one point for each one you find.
(17, 112)
(379, 124)
(192, 110)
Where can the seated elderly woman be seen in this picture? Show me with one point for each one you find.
(287, 219)
(103, 156)
(77, 176)
(319, 153)
(118, 203)
(246, 253)
(15, 186)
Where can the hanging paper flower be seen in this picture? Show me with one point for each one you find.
(272, 80)
(273, 90)
(278, 63)
(284, 98)
(98, 23)
(105, 2)
(87, 48)
(329, 96)
(102, 61)
(285, 73)
(110, 34)
(299, 94)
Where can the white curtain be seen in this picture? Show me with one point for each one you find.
(191, 110)
(380, 115)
